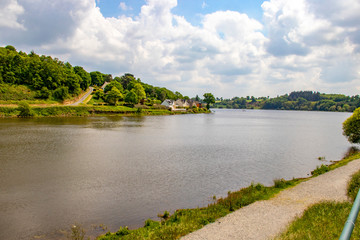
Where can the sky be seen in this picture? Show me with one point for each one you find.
(229, 48)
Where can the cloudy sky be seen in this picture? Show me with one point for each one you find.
(230, 47)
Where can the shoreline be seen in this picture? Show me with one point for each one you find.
(87, 111)
(185, 221)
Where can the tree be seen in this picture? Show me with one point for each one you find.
(139, 91)
(113, 84)
(61, 93)
(113, 96)
(126, 79)
(209, 98)
(96, 78)
(351, 127)
(131, 98)
(85, 77)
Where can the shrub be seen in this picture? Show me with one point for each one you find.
(25, 110)
(320, 170)
(123, 231)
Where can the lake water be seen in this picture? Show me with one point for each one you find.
(123, 170)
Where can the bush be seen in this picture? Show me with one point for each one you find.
(320, 170)
(279, 183)
(25, 110)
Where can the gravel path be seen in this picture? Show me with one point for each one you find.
(266, 219)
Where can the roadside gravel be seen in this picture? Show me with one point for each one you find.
(266, 219)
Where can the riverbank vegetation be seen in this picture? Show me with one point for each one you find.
(300, 100)
(184, 221)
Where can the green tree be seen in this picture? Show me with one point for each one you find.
(126, 79)
(209, 98)
(351, 127)
(85, 77)
(139, 91)
(97, 78)
(131, 98)
(113, 84)
(25, 110)
(113, 96)
(61, 93)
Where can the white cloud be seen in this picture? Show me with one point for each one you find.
(307, 45)
(9, 12)
(124, 7)
(204, 5)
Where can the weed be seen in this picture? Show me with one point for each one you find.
(320, 170)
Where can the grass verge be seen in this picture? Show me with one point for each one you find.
(185, 221)
(326, 220)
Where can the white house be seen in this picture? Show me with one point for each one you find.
(169, 103)
(180, 103)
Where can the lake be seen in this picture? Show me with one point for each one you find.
(120, 171)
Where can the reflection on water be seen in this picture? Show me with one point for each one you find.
(122, 170)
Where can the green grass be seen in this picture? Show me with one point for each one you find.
(321, 221)
(326, 220)
(185, 221)
(86, 110)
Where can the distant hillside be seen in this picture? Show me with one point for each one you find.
(30, 77)
(301, 100)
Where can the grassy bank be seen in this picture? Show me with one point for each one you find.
(184, 221)
(83, 111)
(325, 220)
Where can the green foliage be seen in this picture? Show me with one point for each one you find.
(139, 91)
(301, 100)
(321, 221)
(351, 127)
(85, 77)
(16, 92)
(209, 98)
(320, 170)
(97, 78)
(131, 98)
(61, 93)
(42, 76)
(354, 186)
(113, 84)
(25, 110)
(113, 96)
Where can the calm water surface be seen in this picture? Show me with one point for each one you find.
(123, 170)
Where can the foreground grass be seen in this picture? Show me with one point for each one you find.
(326, 220)
(185, 221)
(321, 221)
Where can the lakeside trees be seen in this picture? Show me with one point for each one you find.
(30, 77)
(300, 100)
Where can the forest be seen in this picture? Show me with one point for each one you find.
(31, 77)
(297, 100)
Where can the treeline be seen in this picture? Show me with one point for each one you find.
(130, 90)
(30, 76)
(300, 100)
